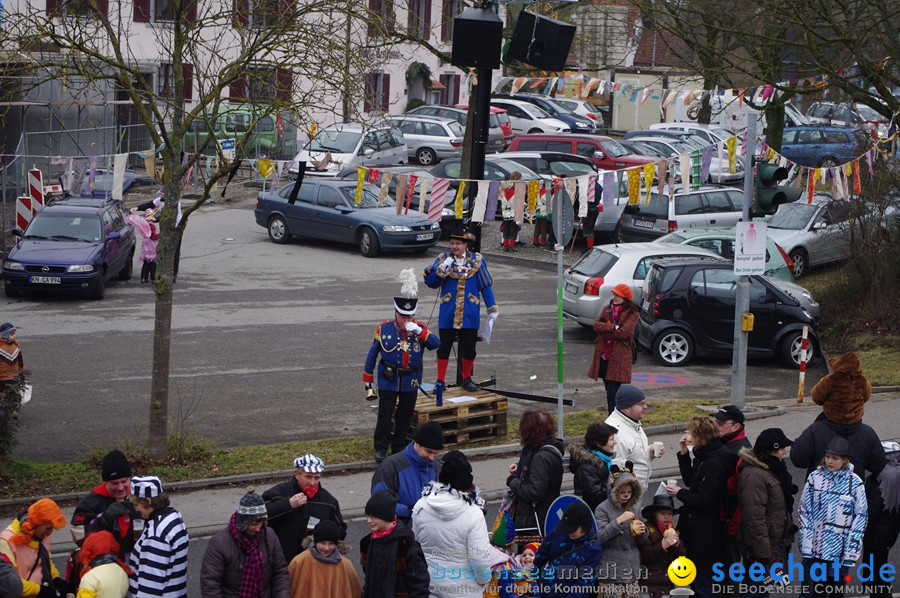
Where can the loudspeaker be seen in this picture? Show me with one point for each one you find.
(477, 37)
(550, 47)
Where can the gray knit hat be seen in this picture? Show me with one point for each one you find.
(252, 507)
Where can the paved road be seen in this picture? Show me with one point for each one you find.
(268, 343)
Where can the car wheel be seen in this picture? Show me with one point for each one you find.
(125, 272)
(790, 350)
(535, 131)
(99, 290)
(278, 230)
(801, 262)
(10, 292)
(368, 243)
(673, 348)
(426, 156)
(827, 163)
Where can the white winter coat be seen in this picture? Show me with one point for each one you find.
(453, 534)
(631, 445)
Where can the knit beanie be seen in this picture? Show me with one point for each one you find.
(430, 436)
(252, 507)
(456, 471)
(383, 505)
(628, 395)
(327, 531)
(532, 546)
(115, 466)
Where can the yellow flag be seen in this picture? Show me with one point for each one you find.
(459, 200)
(360, 179)
(731, 144)
(649, 169)
(266, 168)
(533, 187)
(634, 185)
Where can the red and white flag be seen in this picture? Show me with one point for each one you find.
(438, 191)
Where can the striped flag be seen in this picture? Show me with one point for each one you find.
(438, 191)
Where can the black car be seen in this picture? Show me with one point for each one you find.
(687, 309)
(75, 244)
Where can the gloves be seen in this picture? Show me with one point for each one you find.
(47, 592)
(414, 328)
(62, 587)
(448, 261)
(370, 392)
(493, 316)
(109, 519)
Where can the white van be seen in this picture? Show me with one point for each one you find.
(351, 144)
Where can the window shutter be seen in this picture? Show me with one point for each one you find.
(284, 85)
(103, 7)
(238, 90)
(427, 19)
(192, 12)
(187, 71)
(386, 93)
(287, 8)
(141, 11)
(455, 89)
(241, 13)
(373, 14)
(368, 92)
(445, 81)
(445, 19)
(411, 17)
(52, 7)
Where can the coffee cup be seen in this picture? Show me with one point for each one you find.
(671, 482)
(657, 448)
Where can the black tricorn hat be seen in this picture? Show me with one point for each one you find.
(462, 232)
(660, 502)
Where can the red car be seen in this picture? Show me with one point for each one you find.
(605, 152)
(502, 118)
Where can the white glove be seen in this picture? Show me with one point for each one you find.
(493, 316)
(448, 261)
(414, 328)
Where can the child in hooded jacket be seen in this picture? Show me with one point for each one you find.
(621, 531)
(663, 544)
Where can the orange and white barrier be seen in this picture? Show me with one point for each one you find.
(801, 385)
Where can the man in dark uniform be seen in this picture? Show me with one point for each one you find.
(400, 343)
(107, 506)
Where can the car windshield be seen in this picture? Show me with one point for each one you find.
(565, 109)
(792, 216)
(613, 148)
(869, 114)
(533, 111)
(64, 227)
(672, 238)
(368, 198)
(333, 140)
(510, 166)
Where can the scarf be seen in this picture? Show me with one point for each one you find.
(603, 457)
(614, 312)
(780, 471)
(309, 492)
(332, 558)
(253, 575)
(378, 534)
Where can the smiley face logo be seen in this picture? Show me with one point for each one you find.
(682, 571)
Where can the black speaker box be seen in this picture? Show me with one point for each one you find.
(477, 38)
(550, 47)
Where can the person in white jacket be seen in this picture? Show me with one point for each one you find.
(449, 524)
(631, 442)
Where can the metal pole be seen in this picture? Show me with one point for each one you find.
(479, 141)
(742, 298)
(558, 220)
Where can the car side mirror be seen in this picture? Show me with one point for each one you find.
(18, 233)
(819, 226)
(598, 154)
(368, 152)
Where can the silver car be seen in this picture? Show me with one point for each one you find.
(588, 284)
(429, 139)
(496, 141)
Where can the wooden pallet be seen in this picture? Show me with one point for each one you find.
(475, 420)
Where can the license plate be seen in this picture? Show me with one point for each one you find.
(46, 280)
(643, 223)
(645, 305)
(571, 288)
(425, 237)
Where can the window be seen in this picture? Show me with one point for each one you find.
(559, 146)
(162, 10)
(329, 198)
(449, 10)
(419, 22)
(718, 202)
(377, 93)
(434, 129)
(450, 95)
(165, 81)
(75, 8)
(382, 18)
(260, 13)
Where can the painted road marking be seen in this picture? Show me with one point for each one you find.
(653, 379)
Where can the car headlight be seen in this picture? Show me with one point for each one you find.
(80, 268)
(435, 225)
(396, 228)
(17, 266)
(448, 213)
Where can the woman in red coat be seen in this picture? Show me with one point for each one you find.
(612, 348)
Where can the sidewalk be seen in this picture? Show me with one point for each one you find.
(206, 505)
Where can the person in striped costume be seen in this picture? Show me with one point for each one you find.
(160, 556)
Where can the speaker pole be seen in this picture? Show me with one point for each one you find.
(480, 133)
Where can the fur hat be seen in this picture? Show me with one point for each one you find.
(405, 304)
(383, 505)
(430, 436)
(115, 466)
(456, 471)
(252, 506)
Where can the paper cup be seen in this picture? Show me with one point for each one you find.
(657, 448)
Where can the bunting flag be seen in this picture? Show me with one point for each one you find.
(410, 191)
(609, 189)
(533, 189)
(857, 186)
(518, 83)
(811, 185)
(634, 186)
(493, 194)
(521, 194)
(663, 175)
(120, 162)
(424, 184)
(458, 202)
(696, 156)
(400, 194)
(478, 214)
(731, 142)
(542, 204)
(684, 165)
(649, 169)
(266, 168)
(385, 187)
(704, 164)
(360, 179)
(438, 192)
(374, 175)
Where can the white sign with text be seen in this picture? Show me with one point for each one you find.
(750, 248)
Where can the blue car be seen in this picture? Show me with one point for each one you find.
(326, 209)
(577, 123)
(75, 244)
(819, 146)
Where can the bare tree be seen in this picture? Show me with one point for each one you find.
(280, 55)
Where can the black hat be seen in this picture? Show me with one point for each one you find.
(628, 395)
(327, 531)
(732, 412)
(838, 445)
(430, 436)
(115, 466)
(576, 515)
(771, 439)
(251, 507)
(383, 505)
(405, 304)
(456, 471)
(462, 232)
(660, 502)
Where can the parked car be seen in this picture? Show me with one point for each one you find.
(527, 118)
(429, 139)
(576, 123)
(604, 152)
(583, 108)
(688, 306)
(588, 284)
(641, 149)
(326, 209)
(273, 136)
(553, 164)
(849, 114)
(709, 206)
(674, 144)
(75, 244)
(502, 120)
(721, 242)
(496, 142)
(823, 146)
(351, 144)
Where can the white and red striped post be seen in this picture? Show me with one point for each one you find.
(23, 211)
(36, 189)
(802, 382)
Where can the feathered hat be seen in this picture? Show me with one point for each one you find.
(405, 304)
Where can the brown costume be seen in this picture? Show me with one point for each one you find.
(311, 577)
(843, 393)
(620, 353)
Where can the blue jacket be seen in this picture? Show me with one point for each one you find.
(401, 350)
(460, 288)
(832, 515)
(406, 474)
(567, 566)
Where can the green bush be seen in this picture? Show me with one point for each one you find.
(10, 402)
(414, 103)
